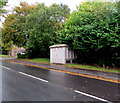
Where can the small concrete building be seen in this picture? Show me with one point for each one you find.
(61, 54)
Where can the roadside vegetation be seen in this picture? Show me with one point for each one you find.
(41, 60)
(113, 70)
(47, 61)
(93, 31)
(5, 56)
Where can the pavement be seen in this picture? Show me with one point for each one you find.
(107, 76)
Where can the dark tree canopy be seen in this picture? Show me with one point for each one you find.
(42, 27)
(94, 31)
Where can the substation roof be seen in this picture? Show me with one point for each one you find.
(59, 45)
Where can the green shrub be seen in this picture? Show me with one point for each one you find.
(21, 55)
(93, 30)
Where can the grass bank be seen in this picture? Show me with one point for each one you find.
(44, 60)
(4, 55)
(47, 60)
(93, 68)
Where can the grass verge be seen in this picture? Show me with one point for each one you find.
(5, 56)
(47, 60)
(93, 68)
(44, 60)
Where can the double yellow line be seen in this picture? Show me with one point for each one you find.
(73, 73)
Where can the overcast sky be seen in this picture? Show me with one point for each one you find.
(71, 3)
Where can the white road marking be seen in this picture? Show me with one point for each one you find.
(92, 96)
(34, 77)
(6, 67)
(74, 90)
(27, 74)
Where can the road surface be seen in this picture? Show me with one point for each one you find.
(25, 83)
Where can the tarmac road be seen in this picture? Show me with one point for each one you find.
(25, 83)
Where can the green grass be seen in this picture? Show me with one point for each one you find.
(5, 56)
(47, 60)
(93, 68)
(44, 60)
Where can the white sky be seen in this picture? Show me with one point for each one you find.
(71, 3)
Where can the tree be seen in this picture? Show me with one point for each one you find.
(94, 31)
(2, 3)
(13, 26)
(2, 11)
(42, 27)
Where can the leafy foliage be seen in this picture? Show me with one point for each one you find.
(13, 26)
(94, 31)
(21, 55)
(42, 26)
(2, 4)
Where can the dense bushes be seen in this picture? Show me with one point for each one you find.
(19, 55)
(42, 26)
(94, 32)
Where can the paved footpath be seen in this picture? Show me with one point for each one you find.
(107, 76)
